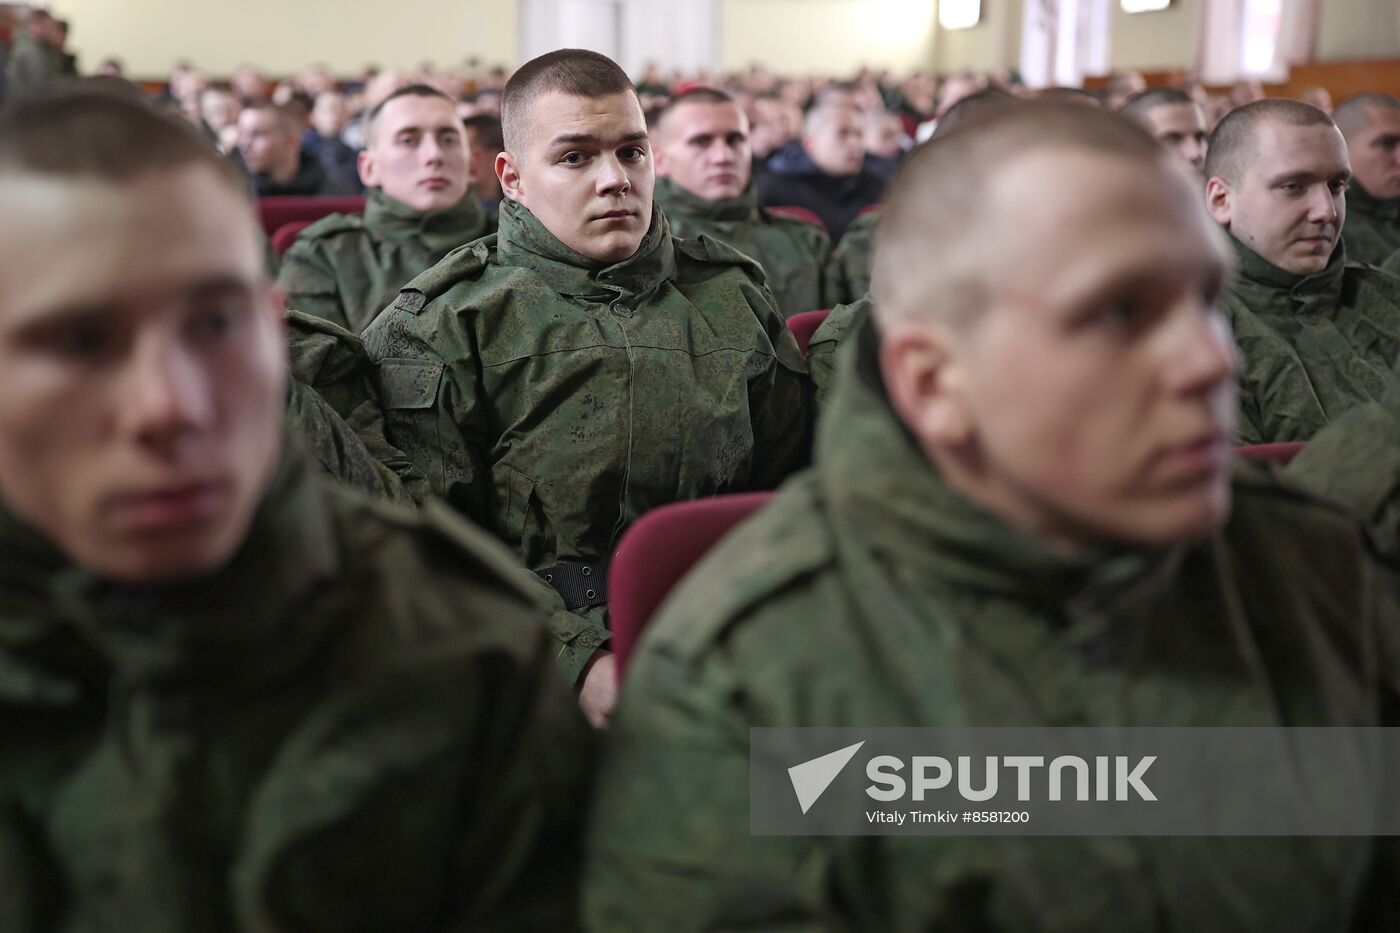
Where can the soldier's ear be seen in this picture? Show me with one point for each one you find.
(924, 377)
(1220, 200)
(369, 172)
(508, 171)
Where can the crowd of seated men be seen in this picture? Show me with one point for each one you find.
(305, 619)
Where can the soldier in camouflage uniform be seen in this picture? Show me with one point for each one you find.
(1371, 124)
(704, 185)
(1392, 264)
(848, 271)
(583, 366)
(1020, 515)
(348, 268)
(236, 696)
(1318, 333)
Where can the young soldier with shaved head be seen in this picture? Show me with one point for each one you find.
(1371, 124)
(417, 165)
(704, 184)
(583, 366)
(1022, 513)
(235, 695)
(1317, 333)
(1174, 120)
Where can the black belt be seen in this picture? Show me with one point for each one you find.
(582, 583)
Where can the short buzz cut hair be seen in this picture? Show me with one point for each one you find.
(409, 90)
(87, 131)
(933, 227)
(1353, 115)
(1233, 142)
(1154, 97)
(695, 95)
(576, 72)
(286, 118)
(488, 131)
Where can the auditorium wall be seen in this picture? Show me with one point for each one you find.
(1358, 29)
(1163, 39)
(827, 36)
(994, 43)
(285, 35)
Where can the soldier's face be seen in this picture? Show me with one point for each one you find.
(586, 173)
(1375, 153)
(1290, 201)
(142, 369)
(1093, 400)
(837, 145)
(266, 143)
(418, 154)
(705, 149)
(1182, 129)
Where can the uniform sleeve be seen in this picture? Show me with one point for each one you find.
(669, 846)
(309, 282)
(821, 363)
(343, 454)
(780, 405)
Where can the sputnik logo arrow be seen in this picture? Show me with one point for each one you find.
(811, 778)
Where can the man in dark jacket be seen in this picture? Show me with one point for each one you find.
(269, 142)
(825, 172)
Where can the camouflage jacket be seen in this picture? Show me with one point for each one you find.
(793, 253)
(355, 725)
(1392, 265)
(554, 400)
(1312, 346)
(347, 268)
(1372, 228)
(869, 594)
(848, 272)
(333, 407)
(821, 349)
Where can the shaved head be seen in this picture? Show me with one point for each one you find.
(936, 220)
(1353, 115)
(575, 72)
(1233, 145)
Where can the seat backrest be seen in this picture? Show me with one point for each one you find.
(800, 213)
(276, 213)
(804, 325)
(286, 235)
(657, 551)
(1281, 453)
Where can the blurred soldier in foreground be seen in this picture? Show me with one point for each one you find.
(227, 684)
(1020, 514)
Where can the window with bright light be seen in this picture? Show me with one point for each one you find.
(1145, 6)
(1259, 36)
(959, 14)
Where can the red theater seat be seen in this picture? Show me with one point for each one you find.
(1282, 453)
(276, 213)
(286, 235)
(804, 325)
(800, 213)
(657, 551)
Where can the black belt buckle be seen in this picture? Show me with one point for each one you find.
(582, 584)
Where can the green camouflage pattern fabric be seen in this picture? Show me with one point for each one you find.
(354, 726)
(792, 252)
(1372, 228)
(1312, 346)
(333, 406)
(821, 349)
(555, 400)
(869, 594)
(1355, 460)
(347, 268)
(852, 261)
(1392, 265)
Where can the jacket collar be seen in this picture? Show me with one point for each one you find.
(521, 240)
(1261, 282)
(437, 231)
(680, 202)
(242, 619)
